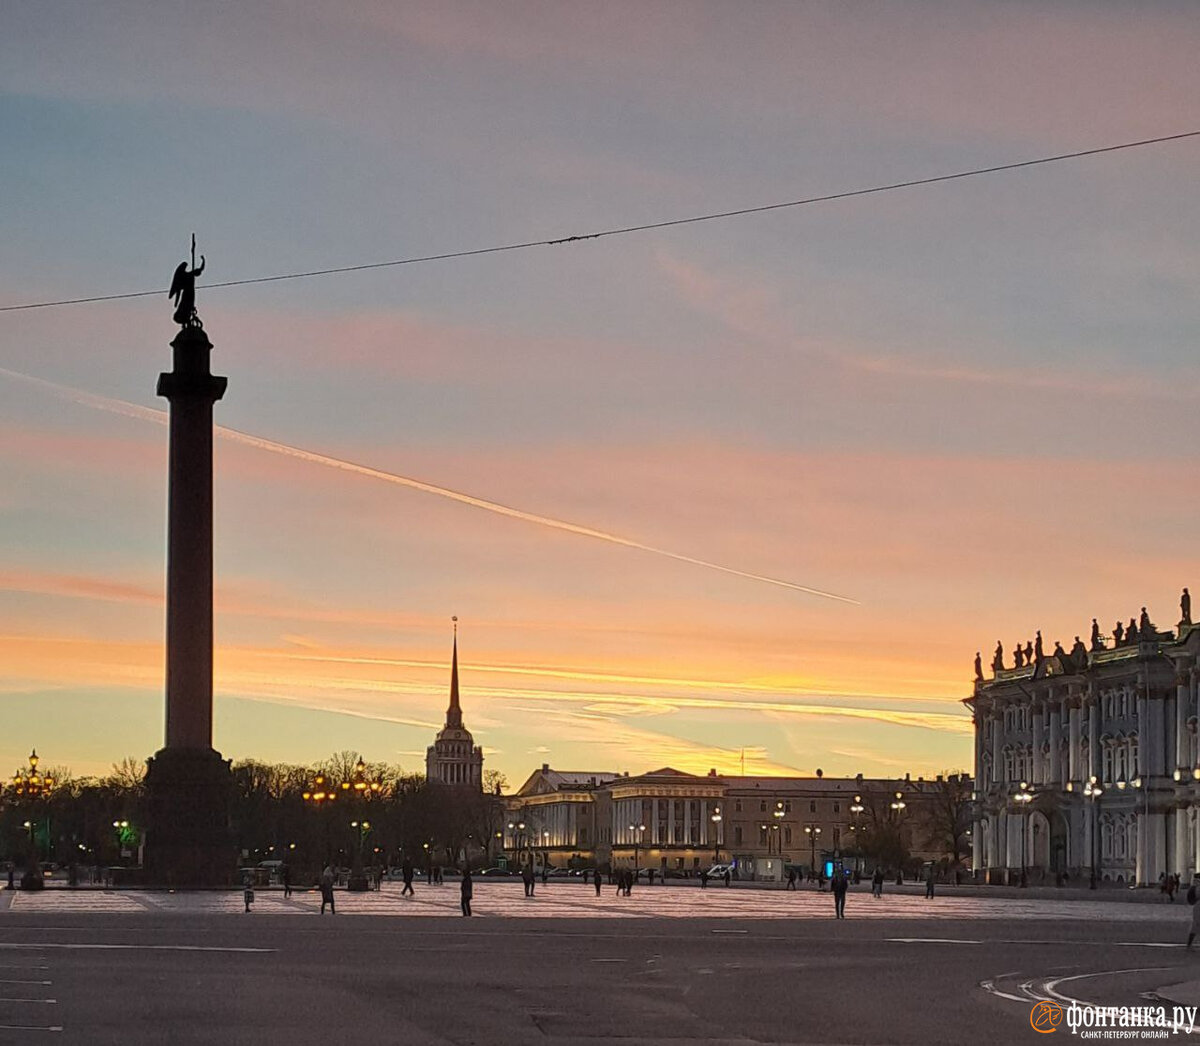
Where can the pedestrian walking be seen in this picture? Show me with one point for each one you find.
(285, 875)
(248, 892)
(837, 886)
(791, 879)
(406, 873)
(327, 891)
(467, 890)
(599, 882)
(930, 879)
(527, 879)
(703, 879)
(630, 876)
(728, 877)
(650, 875)
(877, 883)
(10, 875)
(1191, 899)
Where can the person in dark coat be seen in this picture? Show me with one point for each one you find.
(285, 875)
(327, 891)
(406, 872)
(703, 879)
(930, 879)
(599, 882)
(468, 889)
(837, 886)
(527, 879)
(791, 879)
(877, 883)
(728, 877)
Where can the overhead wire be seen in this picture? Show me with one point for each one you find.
(627, 229)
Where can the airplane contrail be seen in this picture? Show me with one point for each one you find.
(160, 417)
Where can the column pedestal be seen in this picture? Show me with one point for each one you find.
(188, 840)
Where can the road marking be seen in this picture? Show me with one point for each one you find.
(26, 982)
(45, 1002)
(143, 947)
(929, 940)
(730, 931)
(30, 1027)
(610, 960)
(990, 988)
(1052, 985)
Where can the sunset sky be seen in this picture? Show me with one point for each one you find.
(971, 407)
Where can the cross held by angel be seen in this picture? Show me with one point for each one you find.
(183, 291)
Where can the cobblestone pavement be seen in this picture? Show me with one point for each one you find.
(574, 900)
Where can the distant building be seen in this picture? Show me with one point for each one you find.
(1086, 761)
(454, 758)
(679, 823)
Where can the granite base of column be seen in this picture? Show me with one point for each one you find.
(188, 839)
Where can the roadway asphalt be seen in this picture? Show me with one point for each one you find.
(185, 976)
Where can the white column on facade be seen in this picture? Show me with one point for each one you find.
(1145, 731)
(670, 822)
(997, 754)
(1054, 769)
(1037, 713)
(1074, 770)
(1094, 768)
(1181, 713)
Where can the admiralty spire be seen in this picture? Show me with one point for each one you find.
(454, 758)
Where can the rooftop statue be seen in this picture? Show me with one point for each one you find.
(1097, 640)
(1058, 649)
(1185, 608)
(998, 658)
(1079, 652)
(1037, 646)
(1119, 633)
(1131, 633)
(1018, 656)
(1145, 628)
(978, 665)
(183, 291)
(1029, 653)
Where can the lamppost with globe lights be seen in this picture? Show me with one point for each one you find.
(814, 834)
(636, 830)
(31, 787)
(856, 811)
(778, 814)
(357, 787)
(1023, 798)
(716, 823)
(1093, 791)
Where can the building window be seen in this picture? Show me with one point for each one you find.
(812, 806)
(837, 838)
(737, 806)
(787, 806)
(837, 808)
(762, 806)
(787, 835)
(583, 834)
(737, 835)
(762, 835)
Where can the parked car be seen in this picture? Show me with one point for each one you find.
(717, 871)
(497, 872)
(563, 873)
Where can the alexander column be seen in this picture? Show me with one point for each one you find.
(188, 842)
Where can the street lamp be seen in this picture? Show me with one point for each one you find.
(1023, 798)
(637, 830)
(814, 834)
(716, 820)
(778, 826)
(31, 786)
(856, 809)
(1093, 791)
